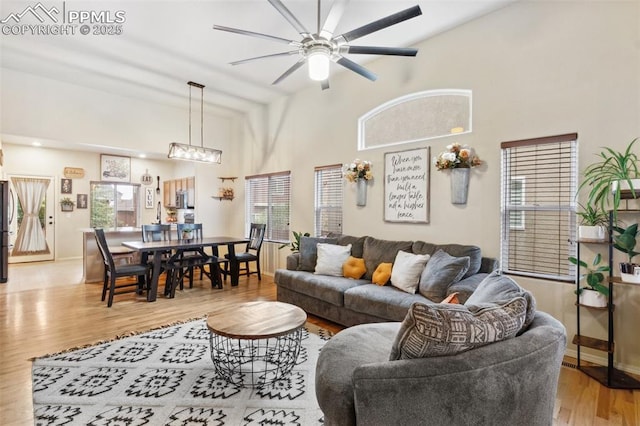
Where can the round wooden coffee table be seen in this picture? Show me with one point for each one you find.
(255, 343)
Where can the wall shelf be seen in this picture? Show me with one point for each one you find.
(232, 178)
(222, 198)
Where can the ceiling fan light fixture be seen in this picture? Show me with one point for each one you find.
(318, 60)
(182, 151)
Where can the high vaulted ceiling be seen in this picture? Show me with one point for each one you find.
(166, 43)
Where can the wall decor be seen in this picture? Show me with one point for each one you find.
(149, 198)
(82, 201)
(66, 204)
(146, 178)
(115, 168)
(458, 160)
(66, 186)
(359, 171)
(73, 172)
(406, 186)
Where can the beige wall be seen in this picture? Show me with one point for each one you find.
(535, 69)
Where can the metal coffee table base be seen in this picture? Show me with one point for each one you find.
(255, 362)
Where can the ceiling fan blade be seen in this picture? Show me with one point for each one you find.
(359, 69)
(243, 61)
(330, 24)
(290, 17)
(324, 84)
(377, 50)
(374, 26)
(259, 35)
(288, 72)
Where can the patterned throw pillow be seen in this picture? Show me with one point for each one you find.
(354, 268)
(382, 274)
(439, 330)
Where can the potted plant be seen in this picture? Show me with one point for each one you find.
(625, 242)
(66, 204)
(295, 244)
(595, 293)
(616, 173)
(187, 232)
(593, 224)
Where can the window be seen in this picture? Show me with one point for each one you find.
(268, 202)
(539, 181)
(114, 205)
(328, 204)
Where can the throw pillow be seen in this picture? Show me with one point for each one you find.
(439, 330)
(354, 268)
(331, 257)
(452, 299)
(377, 251)
(309, 252)
(496, 289)
(407, 269)
(382, 274)
(441, 271)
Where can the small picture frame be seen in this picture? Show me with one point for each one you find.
(115, 168)
(149, 198)
(82, 201)
(66, 186)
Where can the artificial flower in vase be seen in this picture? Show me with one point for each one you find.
(459, 159)
(359, 171)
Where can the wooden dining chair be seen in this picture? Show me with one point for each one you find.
(158, 232)
(251, 253)
(113, 271)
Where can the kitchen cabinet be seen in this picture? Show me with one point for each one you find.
(172, 187)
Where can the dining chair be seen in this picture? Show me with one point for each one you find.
(251, 253)
(158, 232)
(113, 271)
(190, 260)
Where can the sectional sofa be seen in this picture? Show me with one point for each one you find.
(350, 301)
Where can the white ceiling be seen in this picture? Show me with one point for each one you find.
(166, 43)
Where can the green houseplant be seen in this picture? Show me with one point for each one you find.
(66, 204)
(625, 242)
(295, 244)
(615, 173)
(594, 293)
(593, 223)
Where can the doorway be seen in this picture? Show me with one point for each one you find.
(31, 214)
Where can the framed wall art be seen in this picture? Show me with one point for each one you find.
(115, 168)
(406, 186)
(66, 186)
(148, 198)
(82, 201)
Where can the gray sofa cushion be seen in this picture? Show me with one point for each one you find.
(309, 252)
(377, 251)
(322, 287)
(466, 286)
(357, 243)
(456, 250)
(497, 289)
(441, 271)
(383, 302)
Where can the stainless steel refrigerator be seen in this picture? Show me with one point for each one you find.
(4, 230)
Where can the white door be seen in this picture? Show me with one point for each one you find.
(31, 216)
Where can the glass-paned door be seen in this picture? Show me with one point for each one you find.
(31, 216)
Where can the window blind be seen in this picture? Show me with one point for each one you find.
(539, 180)
(328, 200)
(268, 202)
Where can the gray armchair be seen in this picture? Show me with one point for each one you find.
(512, 382)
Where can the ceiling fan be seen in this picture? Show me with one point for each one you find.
(320, 48)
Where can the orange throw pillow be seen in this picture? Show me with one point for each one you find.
(382, 274)
(452, 299)
(354, 268)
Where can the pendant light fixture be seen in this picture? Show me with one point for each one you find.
(181, 151)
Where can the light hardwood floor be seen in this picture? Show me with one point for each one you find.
(45, 308)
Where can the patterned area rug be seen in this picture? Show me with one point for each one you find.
(166, 377)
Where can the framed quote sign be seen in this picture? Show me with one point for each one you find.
(406, 186)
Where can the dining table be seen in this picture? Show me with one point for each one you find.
(158, 248)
